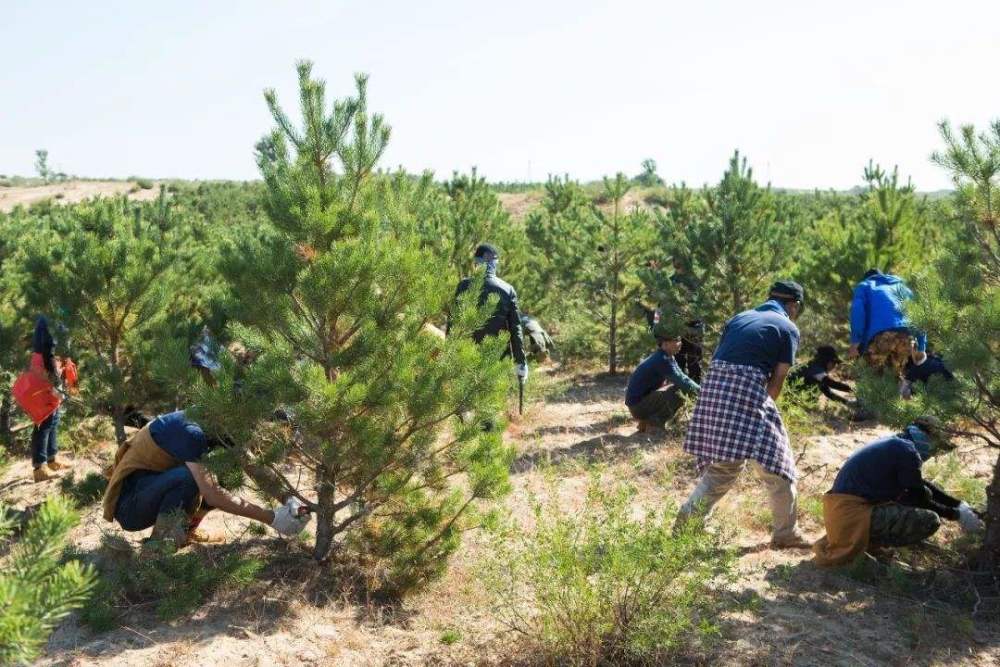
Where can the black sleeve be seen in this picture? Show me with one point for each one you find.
(838, 385)
(921, 496)
(826, 385)
(514, 327)
(939, 495)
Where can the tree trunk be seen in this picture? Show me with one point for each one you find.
(5, 434)
(990, 556)
(119, 417)
(613, 340)
(325, 519)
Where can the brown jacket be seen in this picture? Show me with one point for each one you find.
(848, 522)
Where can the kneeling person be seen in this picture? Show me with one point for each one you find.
(880, 497)
(157, 481)
(648, 398)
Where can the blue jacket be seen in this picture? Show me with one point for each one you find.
(878, 306)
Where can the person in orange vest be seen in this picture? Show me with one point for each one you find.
(44, 436)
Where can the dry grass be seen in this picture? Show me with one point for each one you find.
(784, 610)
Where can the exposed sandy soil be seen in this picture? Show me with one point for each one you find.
(805, 616)
(71, 192)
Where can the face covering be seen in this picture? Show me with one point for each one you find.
(491, 264)
(920, 440)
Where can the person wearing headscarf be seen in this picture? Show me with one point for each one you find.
(505, 316)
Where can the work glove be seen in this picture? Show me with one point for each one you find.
(522, 371)
(968, 520)
(289, 519)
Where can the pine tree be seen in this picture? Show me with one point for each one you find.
(119, 277)
(469, 214)
(958, 305)
(742, 241)
(37, 590)
(42, 164)
(331, 297)
(590, 258)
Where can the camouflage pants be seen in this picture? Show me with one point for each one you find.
(658, 406)
(895, 525)
(889, 349)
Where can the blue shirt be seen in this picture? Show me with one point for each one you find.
(182, 439)
(880, 471)
(763, 337)
(877, 307)
(650, 375)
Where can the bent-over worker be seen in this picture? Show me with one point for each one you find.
(880, 498)
(157, 481)
(736, 419)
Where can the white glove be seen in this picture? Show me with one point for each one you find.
(287, 520)
(968, 520)
(522, 371)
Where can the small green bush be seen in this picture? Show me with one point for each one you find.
(144, 183)
(86, 491)
(176, 583)
(601, 585)
(37, 589)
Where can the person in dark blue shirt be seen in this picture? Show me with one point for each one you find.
(932, 365)
(647, 395)
(816, 375)
(765, 338)
(887, 474)
(146, 491)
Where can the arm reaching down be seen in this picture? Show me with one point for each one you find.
(777, 380)
(221, 499)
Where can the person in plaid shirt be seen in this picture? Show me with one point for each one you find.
(736, 419)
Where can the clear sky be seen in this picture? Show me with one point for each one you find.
(809, 91)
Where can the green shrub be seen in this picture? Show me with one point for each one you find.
(144, 183)
(175, 583)
(87, 490)
(597, 585)
(36, 589)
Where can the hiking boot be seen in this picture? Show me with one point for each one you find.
(56, 466)
(203, 536)
(43, 474)
(170, 528)
(794, 541)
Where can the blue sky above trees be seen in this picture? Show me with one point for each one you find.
(808, 91)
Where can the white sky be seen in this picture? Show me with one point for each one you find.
(809, 91)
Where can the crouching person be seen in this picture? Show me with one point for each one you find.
(157, 481)
(649, 397)
(880, 498)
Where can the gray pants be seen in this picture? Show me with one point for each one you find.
(718, 478)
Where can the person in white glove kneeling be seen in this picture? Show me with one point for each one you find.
(157, 481)
(880, 497)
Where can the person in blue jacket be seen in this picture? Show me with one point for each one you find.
(653, 394)
(880, 329)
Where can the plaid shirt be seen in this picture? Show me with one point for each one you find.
(734, 419)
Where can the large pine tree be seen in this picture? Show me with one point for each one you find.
(395, 435)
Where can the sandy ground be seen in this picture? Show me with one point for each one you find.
(71, 192)
(805, 616)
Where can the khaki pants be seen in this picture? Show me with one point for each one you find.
(718, 478)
